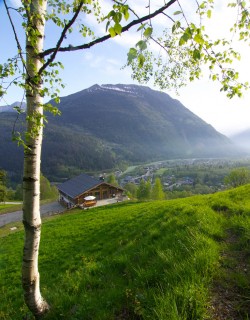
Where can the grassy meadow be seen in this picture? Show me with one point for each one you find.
(170, 260)
(10, 207)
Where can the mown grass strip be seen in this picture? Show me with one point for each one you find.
(6, 208)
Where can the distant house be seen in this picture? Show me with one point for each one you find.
(73, 191)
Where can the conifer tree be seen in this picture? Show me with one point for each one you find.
(112, 180)
(144, 190)
(157, 190)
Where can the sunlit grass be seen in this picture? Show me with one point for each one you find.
(152, 260)
(5, 208)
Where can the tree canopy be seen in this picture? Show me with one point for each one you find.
(112, 180)
(157, 190)
(183, 43)
(238, 177)
(144, 190)
(3, 189)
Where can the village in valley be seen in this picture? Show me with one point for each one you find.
(160, 180)
(183, 177)
(178, 178)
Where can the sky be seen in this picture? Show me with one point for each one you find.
(102, 64)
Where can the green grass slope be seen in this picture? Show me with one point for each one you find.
(6, 208)
(150, 260)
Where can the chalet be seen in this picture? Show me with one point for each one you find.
(74, 191)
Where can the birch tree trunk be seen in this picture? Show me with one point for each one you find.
(35, 10)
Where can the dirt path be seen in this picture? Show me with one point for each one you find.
(230, 300)
(46, 210)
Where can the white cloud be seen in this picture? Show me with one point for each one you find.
(101, 62)
(128, 39)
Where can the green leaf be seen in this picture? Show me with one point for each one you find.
(141, 26)
(126, 15)
(196, 54)
(184, 38)
(111, 14)
(177, 12)
(142, 45)
(132, 54)
(209, 13)
(117, 17)
(124, 9)
(198, 39)
(18, 109)
(118, 28)
(107, 25)
(112, 32)
(182, 41)
(148, 32)
(141, 60)
(176, 25)
(202, 5)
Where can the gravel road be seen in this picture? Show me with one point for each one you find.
(46, 210)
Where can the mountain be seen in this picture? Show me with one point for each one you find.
(10, 108)
(242, 139)
(140, 122)
(106, 125)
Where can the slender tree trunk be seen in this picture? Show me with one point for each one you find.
(32, 159)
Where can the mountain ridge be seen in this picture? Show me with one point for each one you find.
(106, 125)
(11, 107)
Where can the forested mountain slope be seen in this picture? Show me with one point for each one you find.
(102, 126)
(146, 122)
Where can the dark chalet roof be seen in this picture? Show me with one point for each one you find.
(80, 184)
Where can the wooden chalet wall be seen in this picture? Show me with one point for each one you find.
(102, 191)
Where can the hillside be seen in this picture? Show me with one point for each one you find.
(183, 259)
(141, 122)
(10, 108)
(104, 126)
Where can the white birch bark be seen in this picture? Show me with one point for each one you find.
(32, 159)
